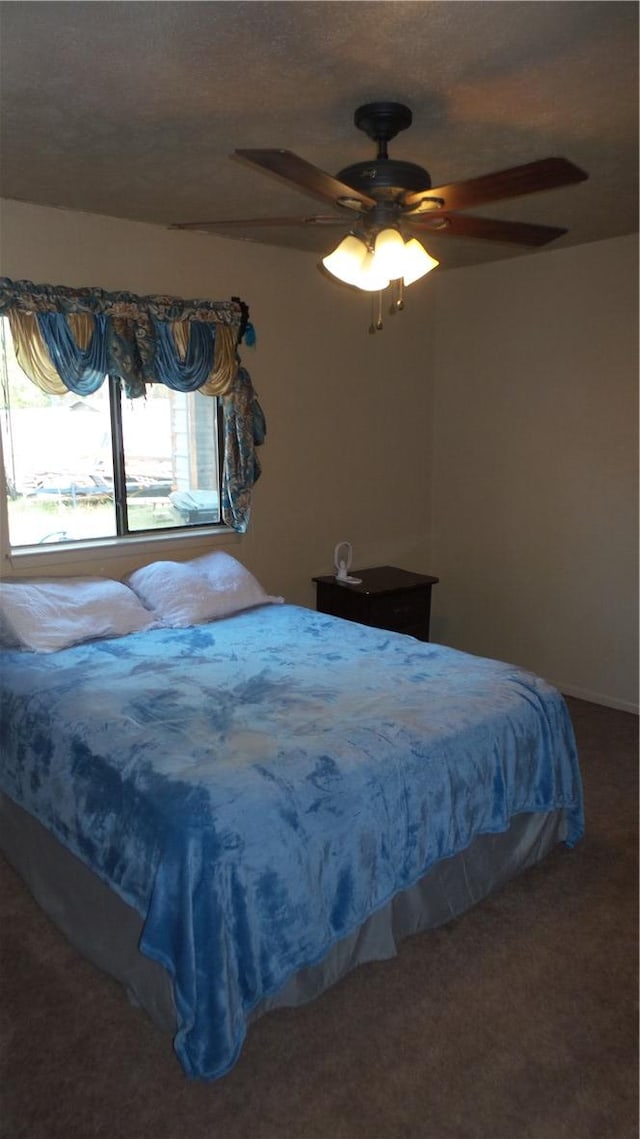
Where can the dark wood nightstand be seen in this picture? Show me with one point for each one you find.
(387, 598)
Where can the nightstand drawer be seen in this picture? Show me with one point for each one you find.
(399, 611)
(340, 601)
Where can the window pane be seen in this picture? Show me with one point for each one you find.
(57, 460)
(171, 459)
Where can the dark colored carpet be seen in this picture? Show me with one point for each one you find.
(516, 1021)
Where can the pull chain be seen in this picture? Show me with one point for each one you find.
(372, 327)
(397, 305)
(376, 322)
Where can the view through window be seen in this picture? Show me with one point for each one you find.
(79, 468)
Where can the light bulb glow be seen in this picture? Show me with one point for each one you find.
(389, 253)
(347, 259)
(417, 262)
(371, 278)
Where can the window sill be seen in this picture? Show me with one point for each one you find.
(59, 554)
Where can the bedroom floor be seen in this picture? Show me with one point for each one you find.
(516, 1021)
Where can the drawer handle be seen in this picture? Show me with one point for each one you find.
(403, 609)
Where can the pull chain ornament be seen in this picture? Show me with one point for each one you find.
(397, 305)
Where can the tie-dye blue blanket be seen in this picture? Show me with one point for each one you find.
(257, 786)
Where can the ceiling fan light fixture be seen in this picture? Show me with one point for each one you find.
(417, 262)
(389, 253)
(347, 260)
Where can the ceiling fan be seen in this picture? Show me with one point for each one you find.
(385, 201)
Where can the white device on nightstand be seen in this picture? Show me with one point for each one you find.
(342, 561)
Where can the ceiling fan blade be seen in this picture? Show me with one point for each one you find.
(465, 225)
(306, 177)
(231, 223)
(545, 174)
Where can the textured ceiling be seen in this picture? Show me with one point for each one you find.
(133, 109)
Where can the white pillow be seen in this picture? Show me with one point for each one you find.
(44, 616)
(239, 588)
(187, 593)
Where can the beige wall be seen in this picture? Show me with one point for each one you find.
(349, 418)
(535, 466)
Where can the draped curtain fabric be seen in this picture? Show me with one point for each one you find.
(72, 339)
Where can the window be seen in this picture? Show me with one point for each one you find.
(103, 466)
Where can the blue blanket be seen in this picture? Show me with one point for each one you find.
(256, 787)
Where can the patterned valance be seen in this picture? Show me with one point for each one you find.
(70, 339)
(79, 336)
(27, 297)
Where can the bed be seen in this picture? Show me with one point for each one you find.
(229, 813)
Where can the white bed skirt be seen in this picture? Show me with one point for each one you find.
(107, 931)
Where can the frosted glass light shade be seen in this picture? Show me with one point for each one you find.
(391, 259)
(371, 278)
(389, 253)
(417, 262)
(347, 259)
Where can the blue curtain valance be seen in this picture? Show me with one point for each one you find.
(185, 344)
(82, 370)
(190, 373)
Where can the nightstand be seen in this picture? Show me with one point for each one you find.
(387, 598)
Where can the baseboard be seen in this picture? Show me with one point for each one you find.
(598, 698)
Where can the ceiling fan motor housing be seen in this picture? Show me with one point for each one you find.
(385, 179)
